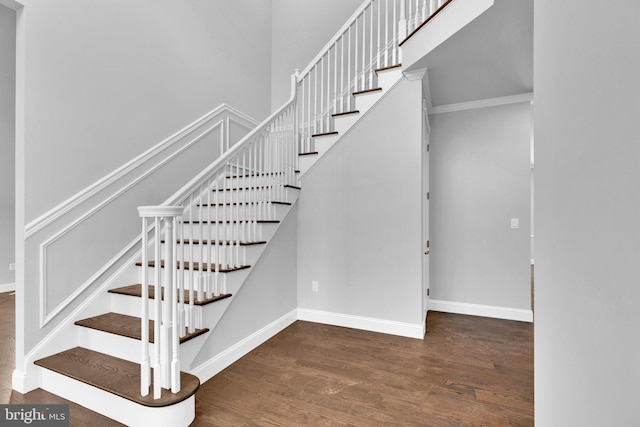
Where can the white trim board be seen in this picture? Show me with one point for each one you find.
(47, 218)
(7, 287)
(224, 359)
(495, 312)
(391, 327)
(482, 103)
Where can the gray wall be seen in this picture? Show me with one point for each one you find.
(479, 180)
(7, 142)
(587, 213)
(301, 28)
(360, 217)
(268, 293)
(108, 80)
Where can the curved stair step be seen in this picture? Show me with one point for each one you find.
(116, 376)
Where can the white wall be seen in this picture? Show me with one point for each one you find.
(479, 180)
(587, 213)
(7, 142)
(360, 220)
(301, 28)
(107, 80)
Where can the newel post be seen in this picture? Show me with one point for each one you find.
(166, 363)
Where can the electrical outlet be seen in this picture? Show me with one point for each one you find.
(12, 266)
(314, 286)
(515, 223)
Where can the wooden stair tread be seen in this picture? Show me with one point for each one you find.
(390, 67)
(317, 135)
(220, 242)
(127, 326)
(233, 221)
(292, 186)
(361, 92)
(187, 265)
(114, 375)
(345, 113)
(247, 175)
(273, 202)
(310, 153)
(255, 187)
(136, 291)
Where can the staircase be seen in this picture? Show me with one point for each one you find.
(132, 363)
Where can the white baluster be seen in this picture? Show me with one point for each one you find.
(157, 370)
(394, 32)
(386, 33)
(379, 31)
(349, 97)
(371, 67)
(364, 49)
(145, 365)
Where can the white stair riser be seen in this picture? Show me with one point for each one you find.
(239, 211)
(243, 231)
(251, 181)
(197, 253)
(387, 78)
(344, 123)
(290, 195)
(115, 407)
(367, 100)
(131, 349)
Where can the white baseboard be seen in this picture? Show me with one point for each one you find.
(222, 360)
(7, 287)
(481, 310)
(402, 329)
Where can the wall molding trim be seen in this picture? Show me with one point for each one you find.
(47, 218)
(7, 287)
(482, 103)
(495, 312)
(224, 359)
(114, 185)
(391, 327)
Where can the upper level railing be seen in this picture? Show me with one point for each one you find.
(208, 221)
(368, 41)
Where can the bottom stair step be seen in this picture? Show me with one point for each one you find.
(127, 326)
(113, 375)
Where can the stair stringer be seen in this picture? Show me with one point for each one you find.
(390, 84)
(264, 305)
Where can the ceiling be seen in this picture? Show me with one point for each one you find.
(490, 57)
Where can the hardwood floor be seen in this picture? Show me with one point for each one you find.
(468, 371)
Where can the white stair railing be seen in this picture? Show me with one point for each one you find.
(369, 41)
(206, 222)
(196, 236)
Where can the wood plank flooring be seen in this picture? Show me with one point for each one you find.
(469, 371)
